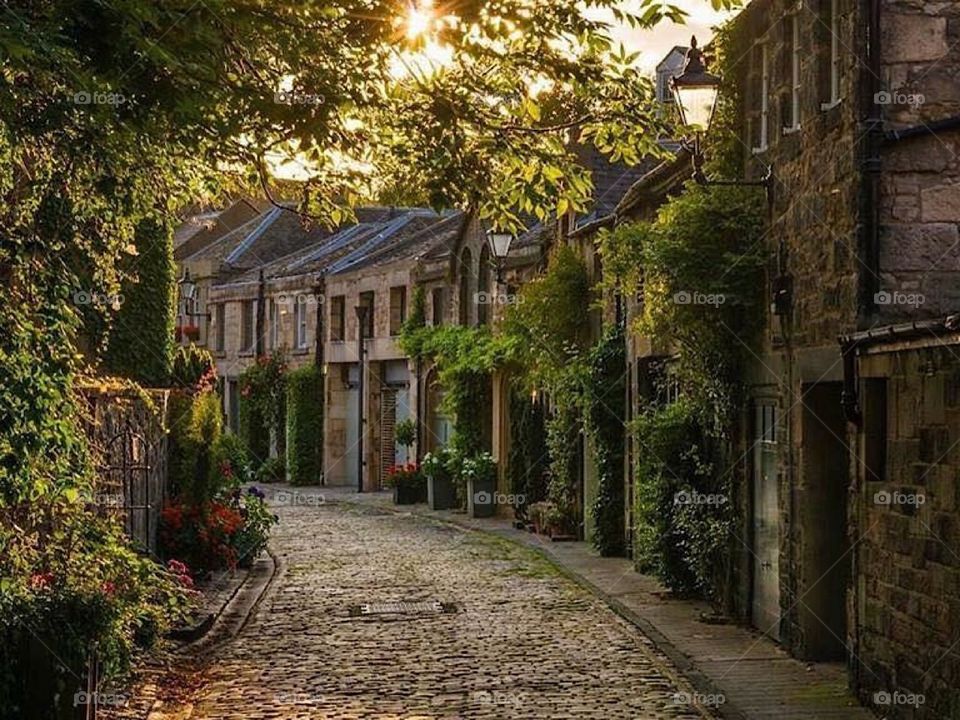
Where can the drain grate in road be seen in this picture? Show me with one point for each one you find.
(432, 607)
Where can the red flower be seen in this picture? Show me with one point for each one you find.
(41, 581)
(109, 588)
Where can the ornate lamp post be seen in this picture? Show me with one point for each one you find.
(696, 92)
(499, 243)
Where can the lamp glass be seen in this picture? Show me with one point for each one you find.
(499, 244)
(696, 103)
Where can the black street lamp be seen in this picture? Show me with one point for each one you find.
(499, 243)
(188, 296)
(696, 92)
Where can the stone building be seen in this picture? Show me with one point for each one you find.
(855, 108)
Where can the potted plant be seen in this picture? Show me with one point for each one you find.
(480, 474)
(405, 433)
(441, 490)
(408, 483)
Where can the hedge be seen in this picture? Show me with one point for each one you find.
(195, 423)
(252, 429)
(140, 345)
(305, 426)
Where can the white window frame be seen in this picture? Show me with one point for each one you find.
(764, 98)
(300, 321)
(796, 82)
(220, 330)
(835, 98)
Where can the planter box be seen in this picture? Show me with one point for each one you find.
(441, 493)
(406, 495)
(481, 500)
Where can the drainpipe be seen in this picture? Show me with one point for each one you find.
(321, 301)
(871, 167)
(261, 311)
(361, 311)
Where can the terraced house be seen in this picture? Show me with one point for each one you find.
(847, 515)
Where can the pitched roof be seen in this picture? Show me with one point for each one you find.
(202, 229)
(382, 235)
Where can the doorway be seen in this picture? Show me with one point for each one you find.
(765, 609)
(825, 570)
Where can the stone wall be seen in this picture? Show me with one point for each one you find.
(920, 208)
(908, 557)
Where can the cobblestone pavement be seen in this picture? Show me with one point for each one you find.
(524, 642)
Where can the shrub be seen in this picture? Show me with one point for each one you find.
(262, 406)
(140, 344)
(405, 433)
(681, 542)
(305, 425)
(226, 532)
(196, 424)
(194, 369)
(71, 579)
(604, 401)
(272, 471)
(231, 461)
(406, 476)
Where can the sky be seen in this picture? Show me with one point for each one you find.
(655, 44)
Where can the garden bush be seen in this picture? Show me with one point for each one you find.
(262, 406)
(196, 425)
(305, 426)
(681, 534)
(140, 343)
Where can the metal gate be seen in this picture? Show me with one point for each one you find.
(128, 489)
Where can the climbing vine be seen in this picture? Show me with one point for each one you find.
(262, 405)
(604, 402)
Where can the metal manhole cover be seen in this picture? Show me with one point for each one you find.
(432, 607)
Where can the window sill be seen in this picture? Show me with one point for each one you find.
(245, 354)
(759, 150)
(828, 106)
(300, 351)
(219, 353)
(791, 130)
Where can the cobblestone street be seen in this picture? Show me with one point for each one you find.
(524, 642)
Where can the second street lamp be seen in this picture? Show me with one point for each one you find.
(499, 243)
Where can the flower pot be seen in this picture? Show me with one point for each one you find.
(441, 492)
(406, 495)
(481, 500)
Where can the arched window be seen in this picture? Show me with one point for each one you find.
(484, 289)
(465, 281)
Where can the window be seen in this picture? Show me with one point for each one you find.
(398, 309)
(483, 296)
(830, 24)
(763, 119)
(465, 276)
(793, 57)
(300, 321)
(337, 319)
(219, 331)
(274, 322)
(247, 322)
(437, 303)
(366, 300)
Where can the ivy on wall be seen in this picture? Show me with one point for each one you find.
(262, 406)
(528, 458)
(604, 402)
(304, 425)
(140, 342)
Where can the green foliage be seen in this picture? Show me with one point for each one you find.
(194, 368)
(604, 399)
(528, 457)
(231, 458)
(683, 510)
(418, 312)
(274, 470)
(263, 405)
(405, 432)
(69, 579)
(305, 425)
(196, 424)
(702, 262)
(140, 344)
